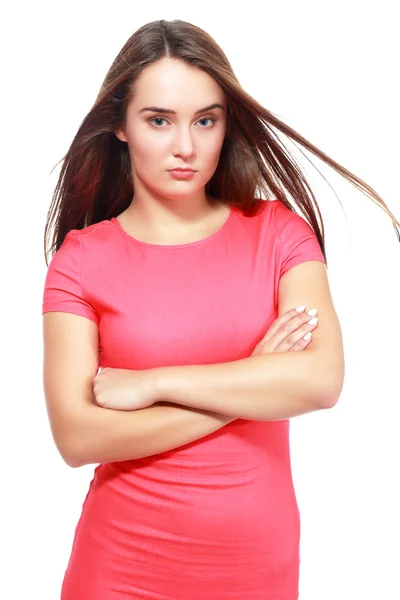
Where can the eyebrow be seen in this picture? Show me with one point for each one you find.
(173, 112)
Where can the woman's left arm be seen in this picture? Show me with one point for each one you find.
(272, 386)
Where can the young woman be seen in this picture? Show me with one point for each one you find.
(174, 353)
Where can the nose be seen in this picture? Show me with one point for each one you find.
(183, 143)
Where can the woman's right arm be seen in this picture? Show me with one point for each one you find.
(85, 433)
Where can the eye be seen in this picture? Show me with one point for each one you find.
(212, 119)
(158, 119)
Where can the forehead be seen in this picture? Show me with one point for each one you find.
(179, 86)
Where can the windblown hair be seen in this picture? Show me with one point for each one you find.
(95, 181)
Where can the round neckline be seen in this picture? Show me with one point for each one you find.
(211, 237)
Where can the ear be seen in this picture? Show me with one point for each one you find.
(120, 135)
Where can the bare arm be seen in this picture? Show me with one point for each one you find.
(278, 385)
(86, 433)
(265, 388)
(111, 435)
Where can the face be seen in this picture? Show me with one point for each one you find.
(159, 141)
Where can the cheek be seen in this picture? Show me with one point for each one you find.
(210, 154)
(210, 146)
(146, 149)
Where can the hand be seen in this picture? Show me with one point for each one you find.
(286, 333)
(124, 389)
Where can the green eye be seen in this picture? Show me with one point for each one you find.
(153, 119)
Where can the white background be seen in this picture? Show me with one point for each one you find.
(330, 70)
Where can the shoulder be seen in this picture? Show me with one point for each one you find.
(272, 216)
(298, 240)
(289, 224)
(282, 214)
(93, 241)
(273, 210)
(77, 240)
(97, 231)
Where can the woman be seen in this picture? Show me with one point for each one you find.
(183, 289)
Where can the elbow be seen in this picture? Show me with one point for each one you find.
(69, 453)
(71, 441)
(330, 380)
(329, 401)
(78, 456)
(330, 394)
(71, 459)
(73, 464)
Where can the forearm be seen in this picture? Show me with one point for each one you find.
(265, 387)
(105, 435)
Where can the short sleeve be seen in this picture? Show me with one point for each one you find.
(62, 288)
(298, 240)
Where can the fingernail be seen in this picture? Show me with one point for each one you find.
(300, 308)
(312, 312)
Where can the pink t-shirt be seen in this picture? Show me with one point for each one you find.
(215, 519)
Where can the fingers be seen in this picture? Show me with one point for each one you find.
(295, 335)
(303, 342)
(287, 332)
(287, 323)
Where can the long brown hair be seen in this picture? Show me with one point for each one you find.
(95, 182)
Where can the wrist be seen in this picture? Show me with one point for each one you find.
(163, 383)
(156, 384)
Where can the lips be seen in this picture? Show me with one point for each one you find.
(182, 174)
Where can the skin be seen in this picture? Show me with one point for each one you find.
(165, 210)
(162, 211)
